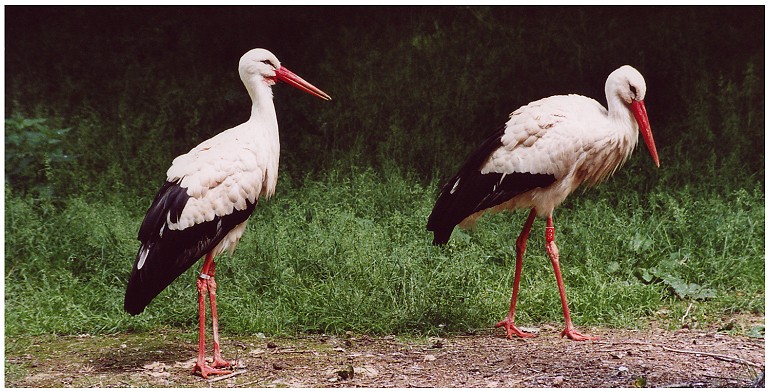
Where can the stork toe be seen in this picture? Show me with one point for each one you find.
(575, 335)
(512, 329)
(221, 363)
(206, 370)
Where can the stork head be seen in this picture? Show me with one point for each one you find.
(627, 84)
(261, 66)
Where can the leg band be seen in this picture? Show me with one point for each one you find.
(549, 234)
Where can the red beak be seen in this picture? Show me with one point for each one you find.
(639, 112)
(291, 78)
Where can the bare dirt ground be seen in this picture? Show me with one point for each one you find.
(622, 358)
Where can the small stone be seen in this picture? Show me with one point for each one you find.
(532, 330)
(366, 371)
(558, 380)
(271, 345)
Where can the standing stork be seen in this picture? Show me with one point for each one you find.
(208, 196)
(544, 152)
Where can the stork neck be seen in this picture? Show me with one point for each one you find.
(621, 118)
(263, 112)
(262, 108)
(624, 129)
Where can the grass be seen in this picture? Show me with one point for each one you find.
(348, 251)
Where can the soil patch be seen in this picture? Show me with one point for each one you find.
(622, 358)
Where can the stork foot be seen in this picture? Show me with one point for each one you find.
(512, 329)
(575, 335)
(206, 370)
(221, 363)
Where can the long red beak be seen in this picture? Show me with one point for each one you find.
(639, 112)
(291, 78)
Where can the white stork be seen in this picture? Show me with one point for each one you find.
(544, 152)
(208, 196)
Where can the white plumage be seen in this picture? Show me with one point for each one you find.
(544, 152)
(225, 173)
(570, 136)
(238, 165)
(208, 197)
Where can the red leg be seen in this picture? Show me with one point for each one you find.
(203, 288)
(200, 364)
(219, 362)
(520, 248)
(552, 252)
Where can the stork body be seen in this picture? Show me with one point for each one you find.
(545, 151)
(209, 194)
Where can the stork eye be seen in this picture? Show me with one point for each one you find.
(268, 63)
(633, 90)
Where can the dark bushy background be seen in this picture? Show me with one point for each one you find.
(411, 85)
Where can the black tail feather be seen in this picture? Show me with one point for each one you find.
(442, 235)
(470, 191)
(170, 252)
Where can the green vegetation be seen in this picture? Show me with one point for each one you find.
(93, 121)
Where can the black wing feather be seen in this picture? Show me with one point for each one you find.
(174, 251)
(469, 191)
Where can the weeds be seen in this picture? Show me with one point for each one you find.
(342, 253)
